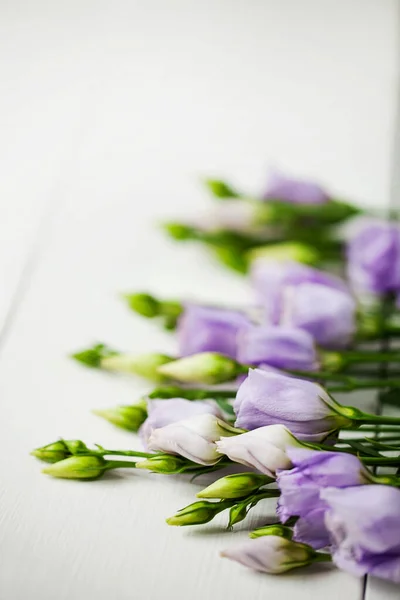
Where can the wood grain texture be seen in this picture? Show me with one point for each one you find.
(113, 110)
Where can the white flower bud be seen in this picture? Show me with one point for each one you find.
(192, 438)
(263, 448)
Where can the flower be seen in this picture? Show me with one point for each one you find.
(364, 525)
(164, 412)
(270, 279)
(304, 407)
(271, 554)
(210, 329)
(281, 347)
(264, 449)
(326, 313)
(193, 438)
(300, 489)
(373, 256)
(295, 191)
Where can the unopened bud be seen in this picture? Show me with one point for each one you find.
(78, 467)
(284, 251)
(235, 486)
(220, 189)
(238, 513)
(180, 231)
(52, 453)
(92, 357)
(143, 304)
(206, 367)
(127, 417)
(197, 513)
(164, 463)
(276, 529)
(145, 365)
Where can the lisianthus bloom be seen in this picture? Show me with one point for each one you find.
(304, 407)
(364, 526)
(271, 278)
(326, 313)
(271, 554)
(264, 449)
(193, 438)
(300, 489)
(280, 347)
(295, 191)
(210, 329)
(373, 256)
(164, 412)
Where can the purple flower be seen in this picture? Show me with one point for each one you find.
(374, 258)
(271, 278)
(305, 408)
(280, 347)
(300, 489)
(364, 525)
(210, 329)
(328, 314)
(295, 191)
(165, 412)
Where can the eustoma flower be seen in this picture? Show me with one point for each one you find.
(210, 329)
(273, 554)
(193, 438)
(304, 407)
(271, 278)
(300, 489)
(296, 191)
(264, 448)
(164, 412)
(374, 258)
(280, 347)
(364, 525)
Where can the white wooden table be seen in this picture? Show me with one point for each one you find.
(109, 113)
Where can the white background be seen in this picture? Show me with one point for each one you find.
(110, 112)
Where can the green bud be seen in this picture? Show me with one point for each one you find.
(197, 513)
(180, 231)
(145, 365)
(235, 486)
(238, 513)
(220, 189)
(331, 361)
(52, 453)
(143, 304)
(206, 367)
(164, 463)
(126, 417)
(92, 357)
(78, 467)
(296, 251)
(277, 529)
(232, 257)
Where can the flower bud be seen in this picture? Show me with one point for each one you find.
(271, 554)
(143, 304)
(276, 529)
(52, 453)
(238, 513)
(126, 417)
(146, 365)
(193, 438)
(235, 486)
(263, 448)
(197, 513)
(78, 467)
(206, 367)
(284, 251)
(92, 357)
(164, 463)
(220, 189)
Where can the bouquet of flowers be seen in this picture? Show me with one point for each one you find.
(251, 390)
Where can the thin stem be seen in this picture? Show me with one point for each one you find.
(165, 393)
(105, 452)
(379, 420)
(322, 557)
(378, 461)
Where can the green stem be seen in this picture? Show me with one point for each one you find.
(380, 462)
(322, 557)
(104, 452)
(167, 392)
(366, 418)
